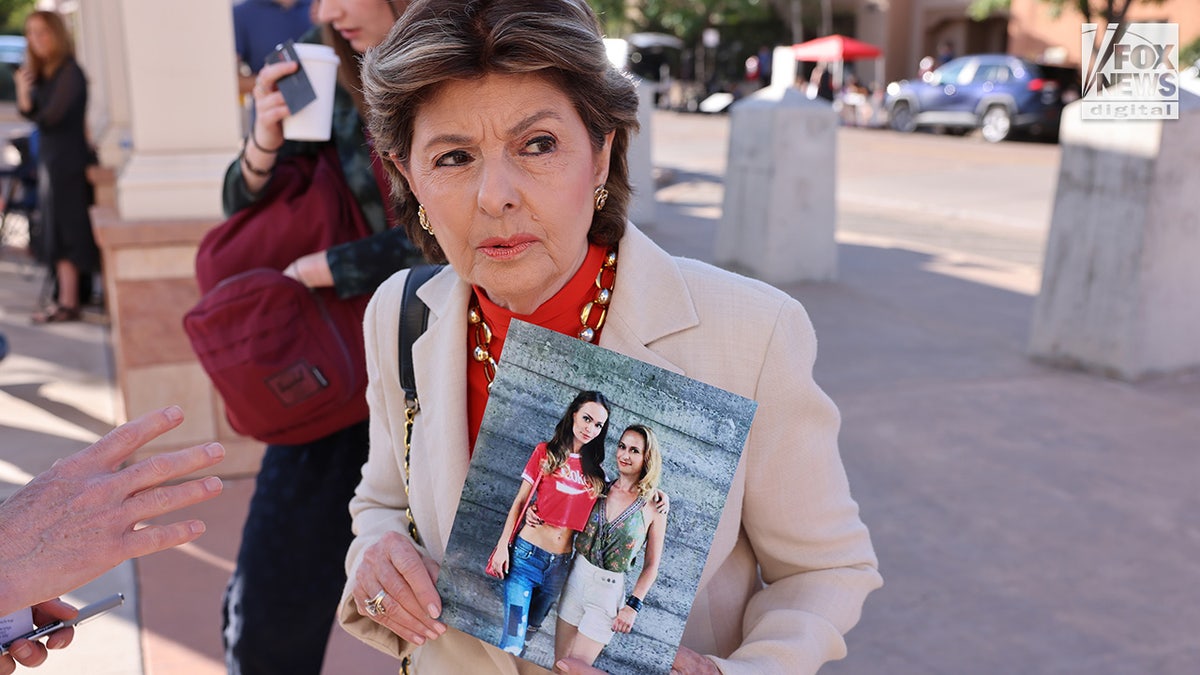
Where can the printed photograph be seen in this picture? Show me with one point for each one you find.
(590, 505)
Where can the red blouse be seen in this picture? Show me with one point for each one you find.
(560, 314)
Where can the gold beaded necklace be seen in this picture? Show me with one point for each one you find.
(588, 332)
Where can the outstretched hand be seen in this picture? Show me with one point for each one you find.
(84, 515)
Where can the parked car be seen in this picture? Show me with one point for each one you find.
(995, 93)
(12, 55)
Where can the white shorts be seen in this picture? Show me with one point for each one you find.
(592, 599)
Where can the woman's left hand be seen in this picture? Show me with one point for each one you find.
(688, 662)
(624, 621)
(393, 570)
(662, 503)
(532, 519)
(312, 270)
(33, 653)
(575, 666)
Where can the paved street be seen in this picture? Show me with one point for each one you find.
(1028, 519)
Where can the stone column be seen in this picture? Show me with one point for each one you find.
(1120, 281)
(784, 67)
(171, 128)
(643, 208)
(780, 212)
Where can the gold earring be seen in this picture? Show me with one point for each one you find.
(423, 219)
(601, 197)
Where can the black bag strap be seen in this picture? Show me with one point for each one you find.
(414, 315)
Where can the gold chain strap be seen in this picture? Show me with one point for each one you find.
(605, 279)
(410, 417)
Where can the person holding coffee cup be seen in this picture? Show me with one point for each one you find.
(280, 602)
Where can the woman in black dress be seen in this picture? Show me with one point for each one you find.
(52, 92)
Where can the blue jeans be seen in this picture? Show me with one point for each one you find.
(535, 578)
(281, 600)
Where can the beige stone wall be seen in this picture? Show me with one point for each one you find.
(166, 118)
(150, 285)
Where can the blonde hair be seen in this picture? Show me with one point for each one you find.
(651, 459)
(437, 41)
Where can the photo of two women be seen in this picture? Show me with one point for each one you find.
(589, 506)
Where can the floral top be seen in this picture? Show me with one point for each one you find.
(613, 545)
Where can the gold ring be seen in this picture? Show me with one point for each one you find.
(375, 605)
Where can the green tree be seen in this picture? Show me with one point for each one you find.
(1190, 53)
(12, 15)
(1112, 11)
(685, 19)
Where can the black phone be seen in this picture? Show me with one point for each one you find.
(94, 609)
(296, 89)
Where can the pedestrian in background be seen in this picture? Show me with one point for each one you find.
(945, 52)
(47, 550)
(279, 604)
(52, 92)
(259, 25)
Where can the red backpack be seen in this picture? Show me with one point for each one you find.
(287, 360)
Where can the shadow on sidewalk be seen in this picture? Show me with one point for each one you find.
(1027, 518)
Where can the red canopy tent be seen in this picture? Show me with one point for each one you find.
(835, 48)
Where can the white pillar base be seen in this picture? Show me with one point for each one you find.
(780, 212)
(1121, 281)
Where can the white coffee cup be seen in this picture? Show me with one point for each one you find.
(314, 122)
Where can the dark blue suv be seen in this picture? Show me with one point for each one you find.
(995, 93)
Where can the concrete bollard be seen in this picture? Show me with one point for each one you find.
(783, 67)
(1120, 283)
(643, 209)
(780, 212)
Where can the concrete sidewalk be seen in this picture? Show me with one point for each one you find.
(1027, 519)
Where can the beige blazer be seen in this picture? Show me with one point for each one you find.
(791, 562)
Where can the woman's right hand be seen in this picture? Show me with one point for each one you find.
(269, 106)
(411, 604)
(498, 562)
(23, 78)
(33, 653)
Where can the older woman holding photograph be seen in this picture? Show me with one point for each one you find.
(506, 130)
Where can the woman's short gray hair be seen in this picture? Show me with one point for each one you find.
(436, 41)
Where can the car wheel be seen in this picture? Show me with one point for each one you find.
(902, 118)
(996, 124)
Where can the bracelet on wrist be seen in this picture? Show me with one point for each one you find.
(252, 169)
(633, 602)
(254, 140)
